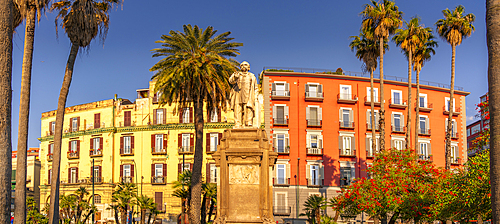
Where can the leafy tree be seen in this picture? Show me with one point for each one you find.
(34, 215)
(145, 203)
(453, 29)
(381, 19)
(76, 208)
(195, 71)
(312, 208)
(210, 196)
(124, 195)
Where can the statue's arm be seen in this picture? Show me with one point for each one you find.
(234, 78)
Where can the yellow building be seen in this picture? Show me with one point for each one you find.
(139, 142)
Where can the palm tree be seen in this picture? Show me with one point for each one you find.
(82, 20)
(312, 208)
(195, 71)
(183, 190)
(379, 21)
(367, 51)
(453, 29)
(421, 55)
(6, 17)
(493, 37)
(145, 203)
(31, 10)
(211, 194)
(409, 39)
(124, 195)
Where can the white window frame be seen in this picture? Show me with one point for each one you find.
(320, 177)
(213, 173)
(369, 96)
(285, 111)
(281, 167)
(52, 127)
(453, 154)
(186, 140)
(319, 112)
(74, 146)
(127, 170)
(345, 95)
(96, 143)
(446, 106)
(369, 142)
(285, 199)
(74, 124)
(73, 173)
(318, 134)
(51, 148)
(95, 170)
(399, 142)
(401, 119)
(280, 92)
(350, 114)
(187, 166)
(185, 115)
(214, 116)
(351, 144)
(425, 100)
(454, 127)
(351, 166)
(159, 142)
(159, 116)
(400, 99)
(127, 144)
(214, 141)
(369, 118)
(159, 170)
(314, 181)
(427, 123)
(315, 86)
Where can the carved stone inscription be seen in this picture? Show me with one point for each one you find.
(243, 174)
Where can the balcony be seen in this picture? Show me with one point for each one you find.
(456, 111)
(369, 103)
(70, 181)
(282, 150)
(455, 160)
(346, 98)
(369, 126)
(370, 154)
(454, 135)
(186, 150)
(314, 123)
(347, 152)
(49, 157)
(281, 181)
(398, 129)
(423, 157)
(97, 180)
(126, 179)
(73, 155)
(424, 109)
(158, 180)
(280, 95)
(280, 122)
(158, 151)
(314, 96)
(127, 152)
(282, 210)
(314, 182)
(424, 132)
(315, 151)
(95, 152)
(397, 103)
(346, 124)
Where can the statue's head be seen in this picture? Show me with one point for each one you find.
(245, 66)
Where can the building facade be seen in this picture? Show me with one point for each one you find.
(320, 126)
(141, 142)
(474, 129)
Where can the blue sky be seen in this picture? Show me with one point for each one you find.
(306, 34)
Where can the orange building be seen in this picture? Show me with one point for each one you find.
(320, 126)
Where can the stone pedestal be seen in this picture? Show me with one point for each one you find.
(244, 191)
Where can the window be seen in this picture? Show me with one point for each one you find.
(280, 114)
(159, 201)
(398, 143)
(314, 90)
(127, 118)
(346, 176)
(281, 174)
(347, 144)
(96, 146)
(159, 115)
(280, 207)
(397, 122)
(424, 151)
(127, 170)
(314, 175)
(96, 172)
(369, 147)
(346, 140)
(281, 143)
(214, 116)
(73, 146)
(424, 126)
(127, 144)
(280, 89)
(314, 143)
(213, 173)
(52, 126)
(127, 173)
(346, 118)
(187, 166)
(314, 172)
(97, 199)
(73, 175)
(186, 140)
(369, 119)
(422, 100)
(96, 143)
(454, 153)
(454, 133)
(369, 96)
(186, 118)
(447, 103)
(75, 123)
(313, 115)
(397, 97)
(158, 142)
(51, 148)
(97, 120)
(158, 170)
(214, 141)
(345, 92)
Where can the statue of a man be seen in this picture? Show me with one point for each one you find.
(243, 95)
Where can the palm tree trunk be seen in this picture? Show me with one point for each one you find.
(143, 216)
(194, 213)
(211, 210)
(493, 38)
(382, 103)
(5, 108)
(372, 107)
(318, 216)
(116, 216)
(203, 214)
(24, 110)
(408, 115)
(450, 115)
(123, 215)
(56, 162)
(417, 109)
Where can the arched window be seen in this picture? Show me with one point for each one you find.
(97, 199)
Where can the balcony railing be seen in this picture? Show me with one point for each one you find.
(281, 181)
(314, 182)
(314, 123)
(455, 160)
(127, 152)
(454, 135)
(97, 180)
(398, 103)
(158, 151)
(428, 108)
(126, 179)
(425, 131)
(347, 124)
(282, 210)
(314, 96)
(49, 157)
(369, 126)
(73, 155)
(347, 152)
(186, 149)
(347, 98)
(370, 153)
(398, 129)
(280, 121)
(158, 180)
(70, 181)
(280, 94)
(456, 111)
(375, 103)
(314, 151)
(282, 150)
(96, 152)
(423, 157)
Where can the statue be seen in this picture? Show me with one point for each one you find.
(243, 95)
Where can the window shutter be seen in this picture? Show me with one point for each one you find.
(308, 113)
(76, 174)
(121, 145)
(287, 89)
(97, 120)
(164, 116)
(429, 151)
(308, 141)
(392, 122)
(286, 112)
(457, 154)
(155, 114)
(181, 115)
(207, 145)
(132, 140)
(219, 138)
(321, 173)
(275, 141)
(353, 143)
(275, 115)
(340, 116)
(427, 124)
(353, 173)
(288, 171)
(191, 166)
(351, 117)
(367, 144)
(179, 168)
(455, 128)
(320, 113)
(101, 143)
(320, 141)
(164, 170)
(392, 143)
(153, 141)
(207, 172)
(307, 90)
(50, 172)
(100, 173)
(287, 140)
(219, 115)
(165, 141)
(308, 171)
(132, 170)
(341, 146)
(78, 145)
(69, 175)
(179, 140)
(91, 143)
(191, 115)
(191, 140)
(121, 170)
(69, 146)
(368, 118)
(152, 169)
(320, 90)
(78, 123)
(273, 89)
